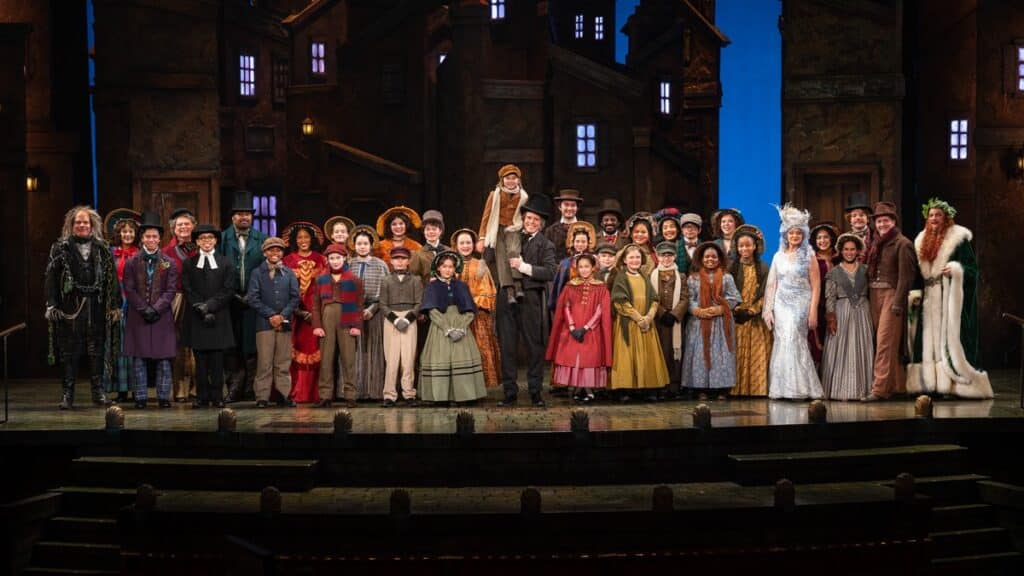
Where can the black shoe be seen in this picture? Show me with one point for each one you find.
(197, 405)
(537, 401)
(388, 403)
(180, 399)
(66, 403)
(287, 403)
(122, 397)
(140, 404)
(508, 401)
(164, 403)
(411, 402)
(262, 404)
(235, 392)
(588, 398)
(217, 404)
(325, 403)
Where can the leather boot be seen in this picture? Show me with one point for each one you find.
(235, 390)
(99, 397)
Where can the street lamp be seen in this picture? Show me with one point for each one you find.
(31, 181)
(308, 127)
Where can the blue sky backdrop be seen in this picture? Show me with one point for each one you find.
(750, 158)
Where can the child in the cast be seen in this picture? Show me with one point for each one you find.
(673, 299)
(846, 367)
(753, 338)
(337, 321)
(580, 346)
(637, 362)
(709, 363)
(450, 369)
(605, 261)
(400, 295)
(273, 293)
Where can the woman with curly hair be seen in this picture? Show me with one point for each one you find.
(123, 228)
(304, 240)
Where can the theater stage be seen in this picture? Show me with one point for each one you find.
(33, 407)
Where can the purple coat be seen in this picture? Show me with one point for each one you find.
(156, 340)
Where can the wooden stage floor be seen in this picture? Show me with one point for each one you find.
(33, 406)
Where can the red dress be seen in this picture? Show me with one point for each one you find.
(305, 369)
(582, 364)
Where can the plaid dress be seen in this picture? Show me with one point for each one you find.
(370, 344)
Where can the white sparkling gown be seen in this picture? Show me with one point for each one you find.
(791, 373)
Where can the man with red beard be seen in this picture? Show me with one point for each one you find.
(891, 272)
(945, 343)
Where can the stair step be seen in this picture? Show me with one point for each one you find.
(93, 502)
(848, 465)
(1002, 494)
(196, 473)
(82, 529)
(79, 555)
(962, 517)
(971, 541)
(36, 571)
(949, 490)
(997, 563)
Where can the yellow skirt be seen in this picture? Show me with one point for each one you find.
(640, 363)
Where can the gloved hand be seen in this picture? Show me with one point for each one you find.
(741, 315)
(401, 324)
(578, 334)
(150, 315)
(306, 315)
(456, 334)
(200, 307)
(240, 298)
(209, 319)
(667, 320)
(53, 314)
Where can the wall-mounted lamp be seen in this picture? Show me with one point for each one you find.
(31, 181)
(308, 127)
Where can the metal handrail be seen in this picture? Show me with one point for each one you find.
(3, 336)
(1020, 376)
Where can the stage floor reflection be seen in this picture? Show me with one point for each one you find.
(33, 407)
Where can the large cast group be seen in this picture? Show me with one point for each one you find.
(637, 308)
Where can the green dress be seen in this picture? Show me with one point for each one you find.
(450, 370)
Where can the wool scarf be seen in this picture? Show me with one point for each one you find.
(712, 294)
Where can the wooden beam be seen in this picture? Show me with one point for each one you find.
(844, 88)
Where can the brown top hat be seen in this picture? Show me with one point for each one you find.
(610, 205)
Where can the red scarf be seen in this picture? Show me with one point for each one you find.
(875, 253)
(712, 294)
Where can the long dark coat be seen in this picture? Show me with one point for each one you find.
(243, 316)
(156, 340)
(215, 288)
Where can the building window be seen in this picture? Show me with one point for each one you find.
(1020, 68)
(441, 58)
(586, 145)
(317, 60)
(280, 80)
(246, 75)
(599, 28)
(578, 30)
(264, 210)
(958, 140)
(665, 97)
(497, 9)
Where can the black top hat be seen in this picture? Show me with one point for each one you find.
(150, 220)
(242, 202)
(205, 229)
(539, 205)
(857, 201)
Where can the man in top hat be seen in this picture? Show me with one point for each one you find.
(527, 318)
(568, 203)
(499, 229)
(83, 302)
(690, 225)
(208, 280)
(150, 280)
(609, 219)
(945, 344)
(858, 216)
(243, 246)
(892, 268)
(179, 249)
(433, 229)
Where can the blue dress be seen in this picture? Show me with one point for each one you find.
(791, 373)
(722, 374)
